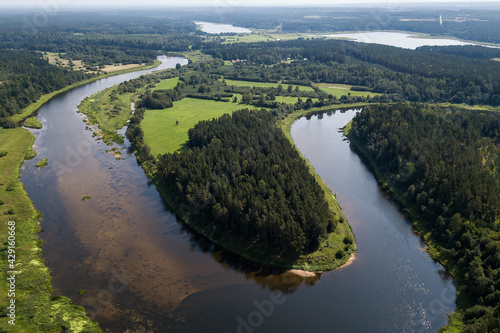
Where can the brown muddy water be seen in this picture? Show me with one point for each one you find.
(124, 256)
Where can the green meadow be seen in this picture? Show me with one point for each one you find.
(165, 131)
(238, 83)
(166, 84)
(337, 90)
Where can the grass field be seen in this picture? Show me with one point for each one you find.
(167, 84)
(473, 107)
(238, 83)
(36, 311)
(247, 38)
(163, 135)
(195, 56)
(338, 90)
(55, 59)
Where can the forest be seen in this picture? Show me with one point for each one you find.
(444, 166)
(247, 181)
(25, 76)
(99, 39)
(399, 73)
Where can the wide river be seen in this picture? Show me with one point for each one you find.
(124, 256)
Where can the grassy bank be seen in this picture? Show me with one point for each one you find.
(36, 309)
(32, 122)
(420, 226)
(109, 110)
(32, 108)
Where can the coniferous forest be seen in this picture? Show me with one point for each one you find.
(246, 180)
(444, 165)
(25, 77)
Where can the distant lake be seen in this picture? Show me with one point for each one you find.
(398, 39)
(218, 28)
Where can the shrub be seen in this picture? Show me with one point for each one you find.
(348, 240)
(339, 254)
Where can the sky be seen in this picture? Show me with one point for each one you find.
(210, 3)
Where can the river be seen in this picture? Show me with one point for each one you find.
(124, 256)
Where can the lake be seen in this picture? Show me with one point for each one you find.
(398, 39)
(140, 269)
(218, 28)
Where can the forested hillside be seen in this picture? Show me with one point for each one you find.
(445, 167)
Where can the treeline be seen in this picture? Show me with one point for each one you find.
(160, 99)
(415, 76)
(445, 167)
(469, 51)
(99, 38)
(241, 177)
(25, 77)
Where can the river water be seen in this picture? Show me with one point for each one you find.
(124, 256)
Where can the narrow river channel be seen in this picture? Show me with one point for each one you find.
(123, 255)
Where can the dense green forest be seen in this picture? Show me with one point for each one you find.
(99, 38)
(444, 165)
(246, 180)
(25, 76)
(399, 73)
(469, 51)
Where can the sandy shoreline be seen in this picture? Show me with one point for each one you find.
(349, 261)
(308, 274)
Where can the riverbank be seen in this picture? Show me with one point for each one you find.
(36, 309)
(31, 109)
(420, 227)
